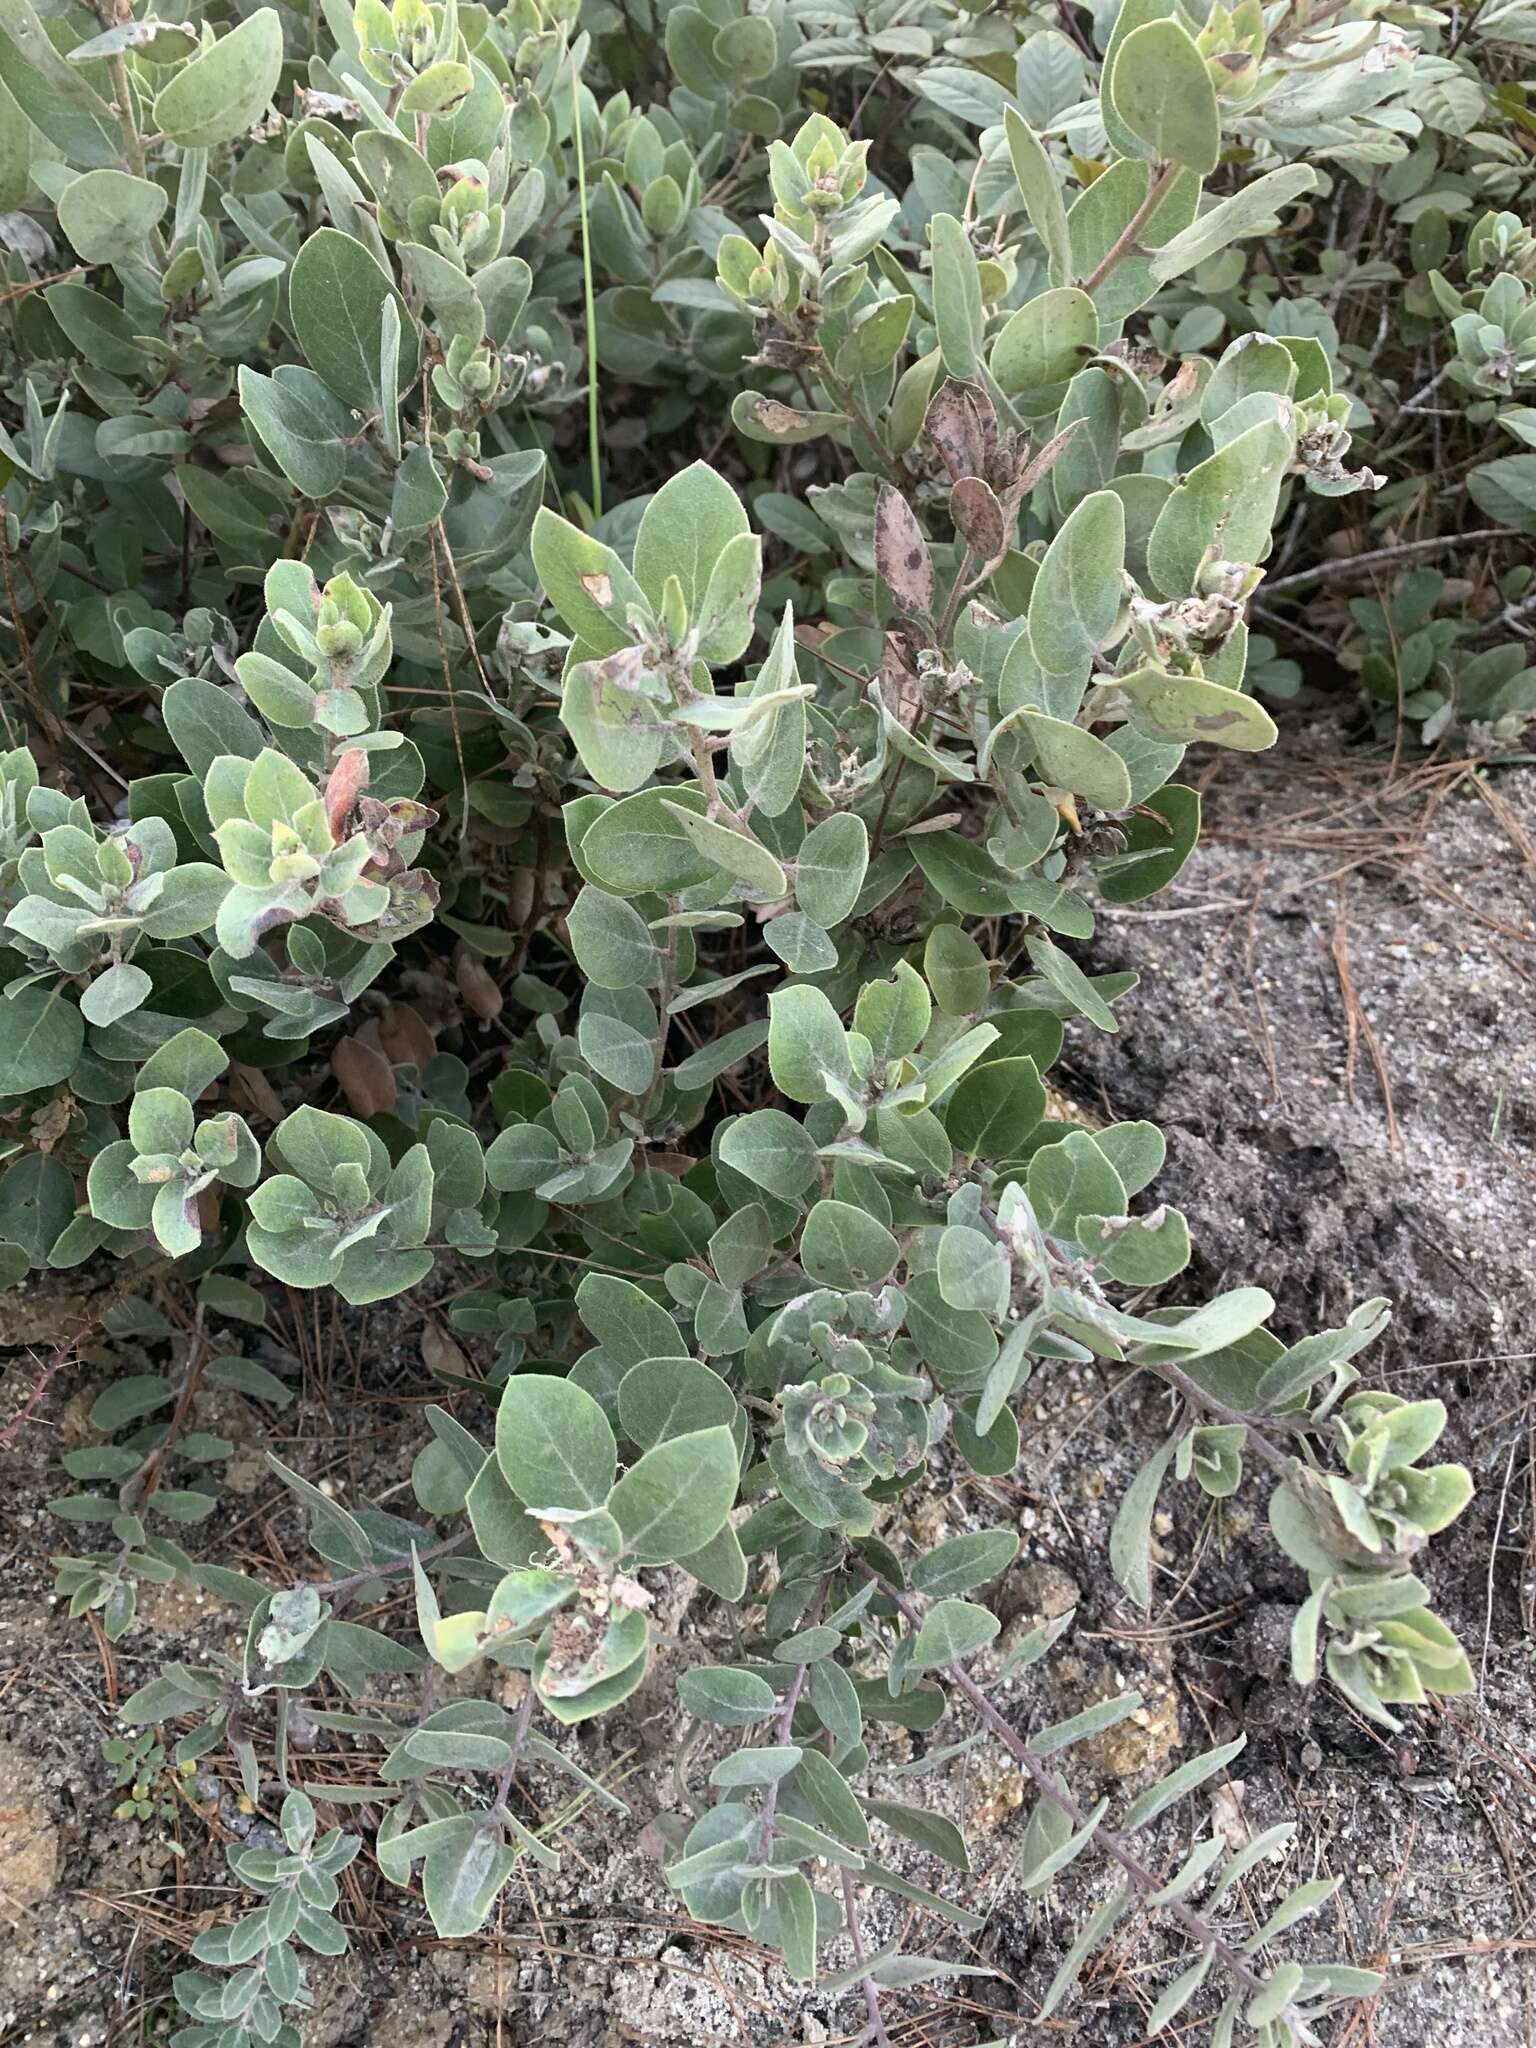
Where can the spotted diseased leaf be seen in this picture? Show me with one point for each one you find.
(1192, 708)
(587, 1654)
(901, 554)
(979, 518)
(962, 425)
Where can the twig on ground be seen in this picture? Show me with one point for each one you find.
(1359, 1026)
(1399, 551)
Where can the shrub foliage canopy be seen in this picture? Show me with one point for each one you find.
(564, 601)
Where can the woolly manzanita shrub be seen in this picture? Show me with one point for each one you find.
(756, 896)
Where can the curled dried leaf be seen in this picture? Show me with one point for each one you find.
(1045, 459)
(476, 985)
(769, 419)
(346, 782)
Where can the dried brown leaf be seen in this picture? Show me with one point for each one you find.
(441, 1355)
(405, 1035)
(364, 1076)
(253, 1094)
(477, 985)
(1045, 460)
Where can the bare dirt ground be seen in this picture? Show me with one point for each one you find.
(1335, 1031)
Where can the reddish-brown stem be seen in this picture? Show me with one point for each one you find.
(1125, 242)
(1115, 1846)
(396, 1564)
(876, 2029)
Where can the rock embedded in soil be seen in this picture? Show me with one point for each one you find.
(29, 1837)
(1033, 1593)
